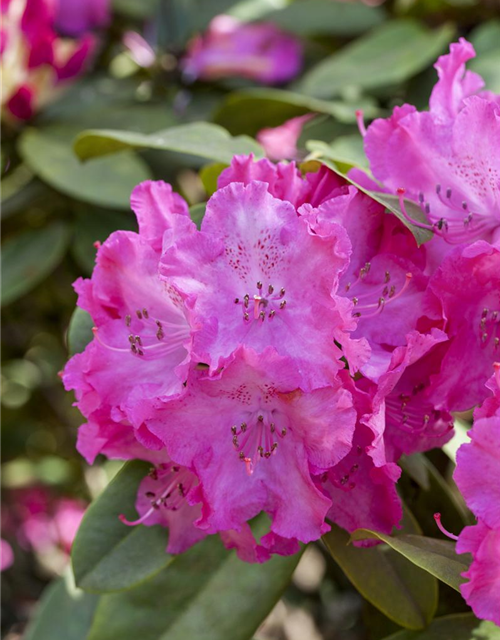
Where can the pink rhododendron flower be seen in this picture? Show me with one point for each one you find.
(260, 52)
(75, 17)
(280, 143)
(35, 62)
(447, 159)
(258, 451)
(267, 280)
(476, 461)
(142, 327)
(463, 299)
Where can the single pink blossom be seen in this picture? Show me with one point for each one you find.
(261, 445)
(257, 275)
(35, 61)
(280, 143)
(447, 159)
(75, 17)
(476, 461)
(260, 52)
(142, 328)
(463, 299)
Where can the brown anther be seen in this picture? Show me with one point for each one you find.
(243, 426)
(153, 473)
(242, 455)
(139, 314)
(234, 430)
(484, 337)
(150, 494)
(159, 334)
(344, 480)
(267, 454)
(181, 489)
(354, 468)
(246, 316)
(155, 505)
(381, 301)
(261, 451)
(138, 340)
(270, 289)
(131, 339)
(282, 291)
(246, 300)
(496, 342)
(485, 312)
(355, 301)
(405, 418)
(133, 348)
(356, 315)
(348, 286)
(259, 285)
(272, 313)
(236, 300)
(426, 419)
(272, 427)
(385, 291)
(274, 447)
(159, 324)
(145, 313)
(140, 352)
(262, 315)
(128, 320)
(392, 291)
(387, 276)
(235, 441)
(283, 432)
(282, 304)
(176, 469)
(260, 418)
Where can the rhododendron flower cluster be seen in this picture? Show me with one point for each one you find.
(285, 355)
(230, 48)
(35, 60)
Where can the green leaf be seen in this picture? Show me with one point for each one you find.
(106, 181)
(30, 257)
(200, 139)
(108, 555)
(459, 626)
(438, 557)
(403, 592)
(249, 110)
(486, 41)
(206, 593)
(391, 203)
(63, 613)
(317, 17)
(346, 150)
(197, 211)
(138, 10)
(386, 56)
(209, 174)
(79, 331)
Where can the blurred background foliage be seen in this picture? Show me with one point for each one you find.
(54, 208)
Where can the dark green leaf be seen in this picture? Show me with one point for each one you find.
(460, 626)
(486, 41)
(315, 17)
(390, 202)
(30, 257)
(138, 10)
(198, 138)
(438, 557)
(403, 592)
(387, 55)
(249, 110)
(108, 555)
(64, 612)
(106, 181)
(345, 150)
(79, 331)
(206, 593)
(209, 175)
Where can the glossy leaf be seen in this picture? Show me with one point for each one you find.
(249, 110)
(387, 55)
(108, 555)
(438, 557)
(63, 613)
(30, 257)
(403, 592)
(460, 626)
(345, 150)
(199, 139)
(105, 181)
(315, 17)
(209, 175)
(206, 593)
(390, 202)
(79, 331)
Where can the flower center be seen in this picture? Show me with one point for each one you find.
(265, 303)
(150, 338)
(257, 437)
(489, 329)
(173, 483)
(378, 296)
(413, 414)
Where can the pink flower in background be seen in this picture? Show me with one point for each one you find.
(35, 62)
(75, 17)
(463, 299)
(6, 555)
(477, 461)
(263, 440)
(447, 159)
(280, 143)
(230, 48)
